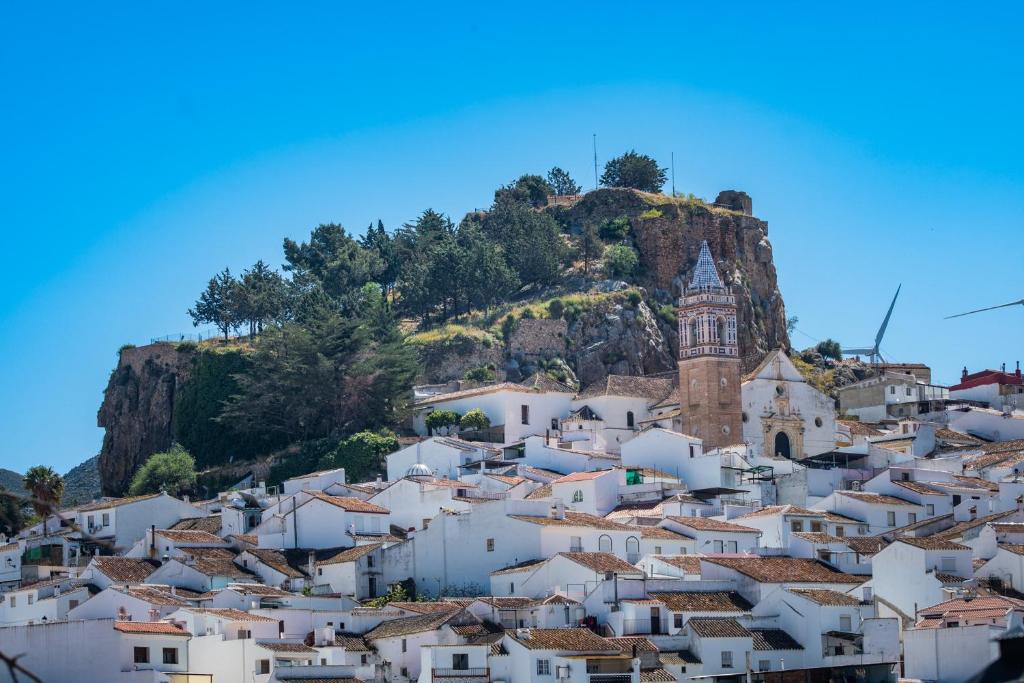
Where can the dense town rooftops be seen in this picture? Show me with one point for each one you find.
(581, 476)
(349, 504)
(826, 597)
(601, 562)
(116, 502)
(688, 563)
(785, 570)
(190, 536)
(528, 565)
(981, 609)
(350, 554)
(210, 524)
(125, 569)
(960, 528)
(230, 614)
(931, 543)
(717, 627)
(563, 640)
(406, 626)
(874, 498)
(161, 628)
(650, 388)
(766, 639)
(710, 524)
(702, 601)
(790, 510)
(661, 533)
(577, 519)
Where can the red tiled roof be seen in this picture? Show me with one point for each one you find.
(350, 504)
(710, 524)
(785, 570)
(163, 628)
(581, 476)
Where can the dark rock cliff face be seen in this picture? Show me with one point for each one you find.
(138, 410)
(667, 234)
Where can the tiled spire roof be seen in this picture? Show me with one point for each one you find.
(705, 275)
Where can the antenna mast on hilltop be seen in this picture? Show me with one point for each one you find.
(673, 174)
(595, 162)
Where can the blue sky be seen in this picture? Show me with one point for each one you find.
(145, 147)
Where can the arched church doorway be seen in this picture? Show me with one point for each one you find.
(782, 445)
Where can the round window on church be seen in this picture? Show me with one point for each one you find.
(817, 422)
(779, 390)
(725, 429)
(723, 382)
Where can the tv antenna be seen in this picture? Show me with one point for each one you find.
(596, 183)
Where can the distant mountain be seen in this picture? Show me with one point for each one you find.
(82, 483)
(12, 481)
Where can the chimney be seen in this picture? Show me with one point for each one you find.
(311, 563)
(154, 614)
(174, 591)
(1004, 367)
(1017, 371)
(523, 633)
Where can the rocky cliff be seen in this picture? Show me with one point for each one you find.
(137, 412)
(667, 233)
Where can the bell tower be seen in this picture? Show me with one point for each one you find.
(709, 359)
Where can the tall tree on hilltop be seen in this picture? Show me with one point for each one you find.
(173, 471)
(561, 182)
(590, 247)
(486, 276)
(531, 241)
(332, 259)
(379, 242)
(637, 171)
(529, 189)
(260, 297)
(46, 488)
(217, 305)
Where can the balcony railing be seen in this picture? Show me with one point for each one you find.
(611, 678)
(449, 674)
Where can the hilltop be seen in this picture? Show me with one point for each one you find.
(603, 303)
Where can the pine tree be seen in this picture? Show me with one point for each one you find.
(217, 305)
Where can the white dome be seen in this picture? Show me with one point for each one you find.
(419, 470)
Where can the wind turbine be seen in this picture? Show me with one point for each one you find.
(990, 308)
(874, 354)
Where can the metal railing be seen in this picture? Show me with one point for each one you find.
(461, 673)
(611, 678)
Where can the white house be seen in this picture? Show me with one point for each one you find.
(575, 655)
(616, 407)
(314, 481)
(103, 571)
(912, 572)
(313, 519)
(200, 569)
(442, 454)
(572, 574)
(123, 521)
(518, 410)
(666, 451)
(596, 492)
(879, 512)
(714, 535)
(756, 577)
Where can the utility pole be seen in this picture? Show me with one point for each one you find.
(673, 174)
(595, 162)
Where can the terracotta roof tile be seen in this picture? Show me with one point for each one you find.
(650, 388)
(405, 626)
(688, 563)
(276, 560)
(785, 570)
(124, 569)
(116, 502)
(190, 536)
(793, 510)
(767, 639)
(564, 640)
(351, 554)
(931, 543)
(210, 523)
(230, 614)
(601, 562)
(715, 627)
(874, 498)
(520, 567)
(544, 491)
(824, 596)
(350, 504)
(710, 524)
(297, 648)
(575, 519)
(162, 628)
(703, 601)
(581, 476)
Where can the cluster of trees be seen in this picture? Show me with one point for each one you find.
(447, 420)
(45, 489)
(252, 301)
(173, 471)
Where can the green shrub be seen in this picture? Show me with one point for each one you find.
(620, 260)
(667, 313)
(652, 213)
(634, 298)
(362, 454)
(442, 419)
(125, 347)
(556, 308)
(528, 314)
(481, 374)
(508, 326)
(173, 471)
(614, 229)
(475, 419)
(186, 346)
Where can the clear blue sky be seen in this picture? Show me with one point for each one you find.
(144, 147)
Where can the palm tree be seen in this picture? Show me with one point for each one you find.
(47, 488)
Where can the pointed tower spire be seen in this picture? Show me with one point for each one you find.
(705, 275)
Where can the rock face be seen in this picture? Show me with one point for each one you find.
(667, 234)
(138, 410)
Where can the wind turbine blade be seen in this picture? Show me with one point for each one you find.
(990, 308)
(885, 323)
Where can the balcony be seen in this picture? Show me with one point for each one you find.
(454, 675)
(610, 678)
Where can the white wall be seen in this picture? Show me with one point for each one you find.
(950, 655)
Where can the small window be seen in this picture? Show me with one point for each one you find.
(818, 422)
(106, 519)
(319, 571)
(840, 531)
(543, 667)
(524, 411)
(677, 620)
(890, 518)
(726, 659)
(14, 601)
(92, 521)
(816, 527)
(490, 547)
(892, 390)
(141, 655)
(948, 564)
(31, 598)
(764, 665)
(262, 666)
(657, 550)
(170, 655)
(930, 509)
(404, 672)
(797, 525)
(363, 659)
(72, 604)
(369, 561)
(719, 546)
(404, 645)
(460, 661)
(845, 623)
(244, 634)
(911, 517)
(511, 588)
(732, 547)
(629, 419)
(693, 450)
